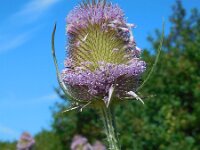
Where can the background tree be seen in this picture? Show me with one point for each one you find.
(8, 145)
(47, 140)
(170, 118)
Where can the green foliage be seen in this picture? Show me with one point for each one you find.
(7, 145)
(47, 140)
(170, 119)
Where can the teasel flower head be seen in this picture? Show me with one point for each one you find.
(80, 143)
(103, 62)
(26, 142)
(98, 146)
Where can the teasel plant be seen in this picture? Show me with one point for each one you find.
(26, 142)
(103, 66)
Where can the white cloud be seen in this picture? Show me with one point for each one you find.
(33, 10)
(29, 13)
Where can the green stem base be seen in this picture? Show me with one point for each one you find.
(108, 119)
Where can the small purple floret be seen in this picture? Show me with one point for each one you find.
(99, 81)
(81, 17)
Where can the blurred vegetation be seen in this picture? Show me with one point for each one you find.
(47, 140)
(8, 145)
(170, 118)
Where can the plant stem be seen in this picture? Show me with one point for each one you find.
(109, 124)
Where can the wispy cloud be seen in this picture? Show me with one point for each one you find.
(46, 98)
(11, 42)
(33, 10)
(29, 13)
(14, 42)
(8, 131)
(18, 103)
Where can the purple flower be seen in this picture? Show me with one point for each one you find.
(99, 81)
(26, 142)
(86, 14)
(80, 143)
(103, 60)
(98, 146)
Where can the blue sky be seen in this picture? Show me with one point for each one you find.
(27, 73)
